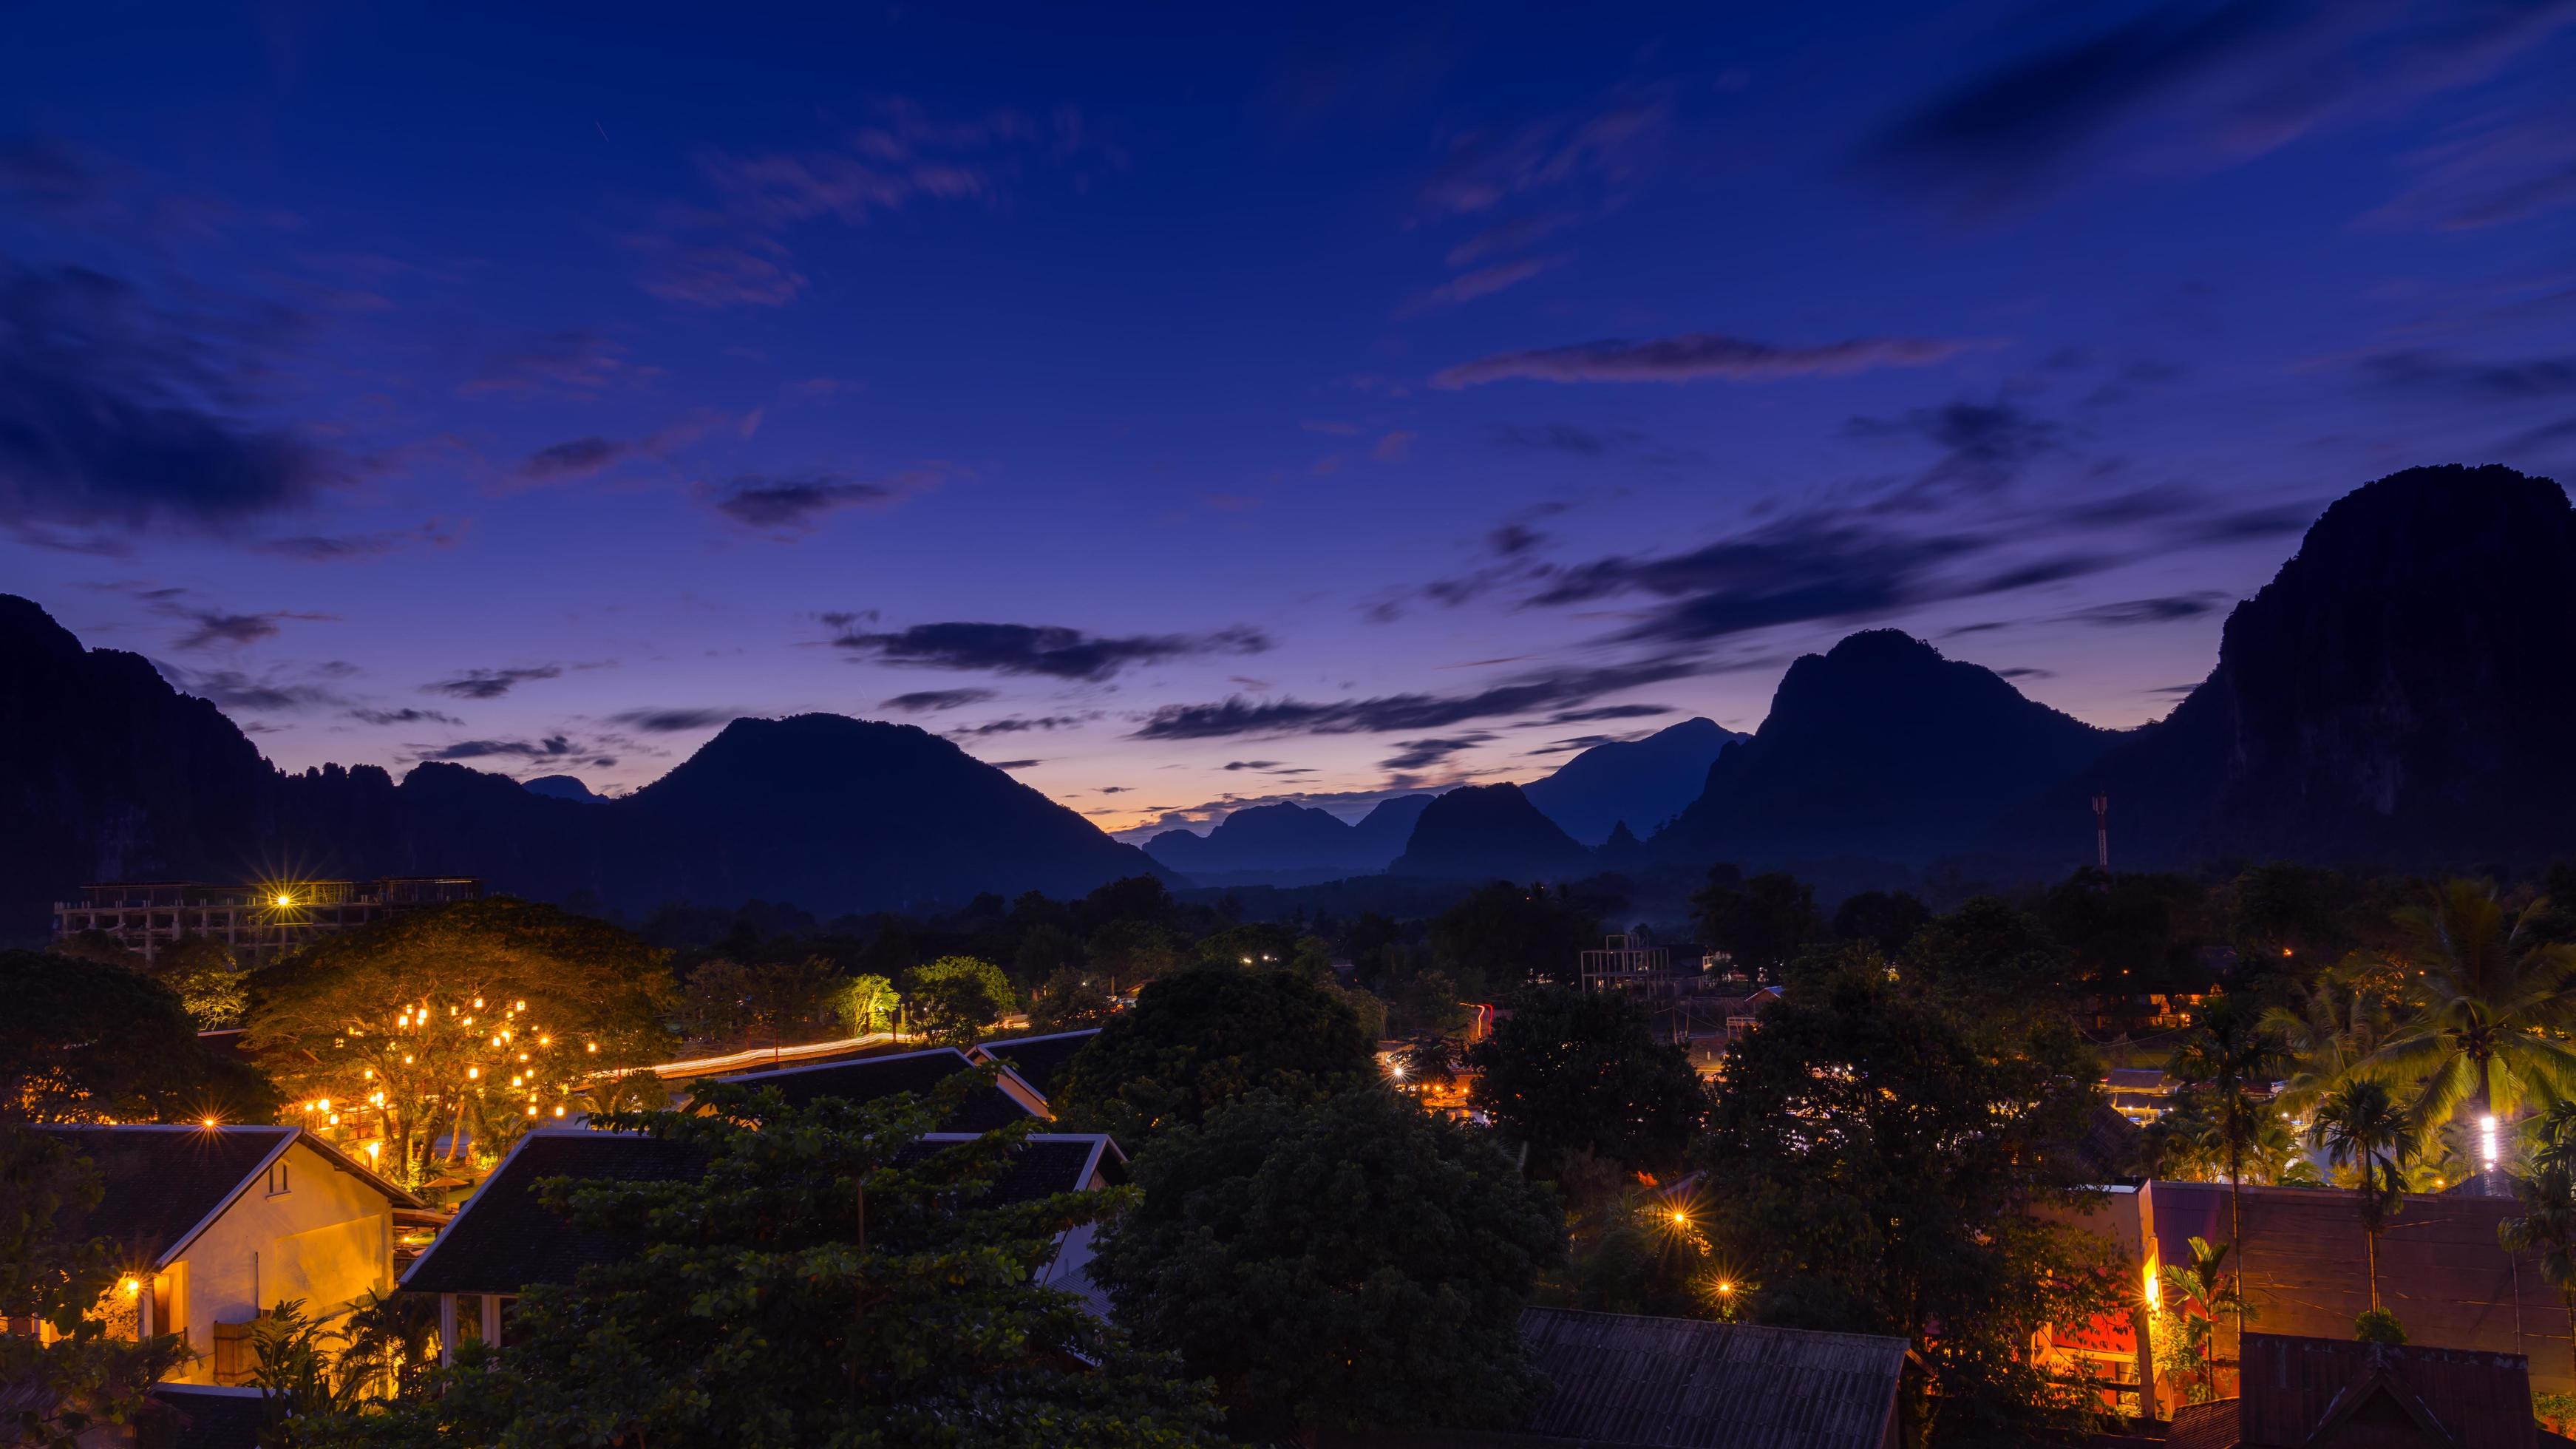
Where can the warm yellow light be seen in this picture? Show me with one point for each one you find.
(286, 900)
(1725, 1288)
(559, 1111)
(519, 1006)
(129, 1285)
(406, 1059)
(1680, 1219)
(375, 1150)
(532, 1111)
(210, 1122)
(473, 1071)
(478, 1003)
(2155, 1297)
(545, 1041)
(594, 1046)
(324, 1104)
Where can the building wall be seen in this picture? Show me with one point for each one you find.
(328, 1240)
(2441, 1270)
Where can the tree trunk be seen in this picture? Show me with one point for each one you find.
(2370, 1250)
(2235, 1239)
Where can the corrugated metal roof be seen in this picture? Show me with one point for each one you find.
(2332, 1391)
(1678, 1383)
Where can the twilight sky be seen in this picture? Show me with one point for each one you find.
(1216, 406)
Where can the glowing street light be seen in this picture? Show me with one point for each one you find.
(2487, 1141)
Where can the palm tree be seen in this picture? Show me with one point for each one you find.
(2548, 1227)
(2230, 1053)
(2361, 1126)
(2193, 1295)
(2489, 991)
(2330, 1030)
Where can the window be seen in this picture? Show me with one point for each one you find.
(277, 1184)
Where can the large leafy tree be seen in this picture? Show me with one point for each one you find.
(1989, 956)
(476, 1019)
(84, 1040)
(1347, 1264)
(1583, 1072)
(2362, 1129)
(958, 998)
(2488, 1002)
(1877, 1163)
(2330, 1029)
(95, 1371)
(1206, 1037)
(823, 1281)
(2547, 1227)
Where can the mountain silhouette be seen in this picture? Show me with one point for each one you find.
(1277, 841)
(1643, 782)
(1879, 749)
(1483, 832)
(561, 787)
(108, 773)
(2399, 693)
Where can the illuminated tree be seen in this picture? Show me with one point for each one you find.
(2227, 1056)
(473, 1021)
(2189, 1299)
(865, 1004)
(2490, 995)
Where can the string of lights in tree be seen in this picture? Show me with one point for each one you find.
(435, 1059)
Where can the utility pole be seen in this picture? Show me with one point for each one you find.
(2102, 832)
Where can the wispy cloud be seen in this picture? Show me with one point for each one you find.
(1040, 649)
(491, 683)
(1389, 714)
(932, 701)
(1698, 356)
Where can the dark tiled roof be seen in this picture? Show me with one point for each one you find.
(1677, 1383)
(193, 1417)
(159, 1182)
(1038, 1060)
(506, 1237)
(870, 1078)
(2379, 1394)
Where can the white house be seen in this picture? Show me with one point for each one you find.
(217, 1224)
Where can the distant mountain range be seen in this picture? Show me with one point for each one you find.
(1638, 783)
(2398, 694)
(107, 773)
(1290, 844)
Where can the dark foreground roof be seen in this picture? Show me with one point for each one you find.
(159, 1183)
(2302, 1391)
(196, 1416)
(867, 1079)
(1040, 1060)
(506, 1238)
(1676, 1383)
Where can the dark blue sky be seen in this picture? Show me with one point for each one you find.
(1190, 407)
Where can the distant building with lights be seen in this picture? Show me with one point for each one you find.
(260, 923)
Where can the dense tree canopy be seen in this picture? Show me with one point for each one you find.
(1570, 1071)
(957, 998)
(1876, 1164)
(1209, 1036)
(96, 1369)
(757, 1315)
(82, 1040)
(1505, 936)
(479, 1018)
(1351, 1264)
(1762, 923)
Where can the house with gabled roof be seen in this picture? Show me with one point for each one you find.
(867, 1079)
(1038, 1061)
(217, 1224)
(506, 1239)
